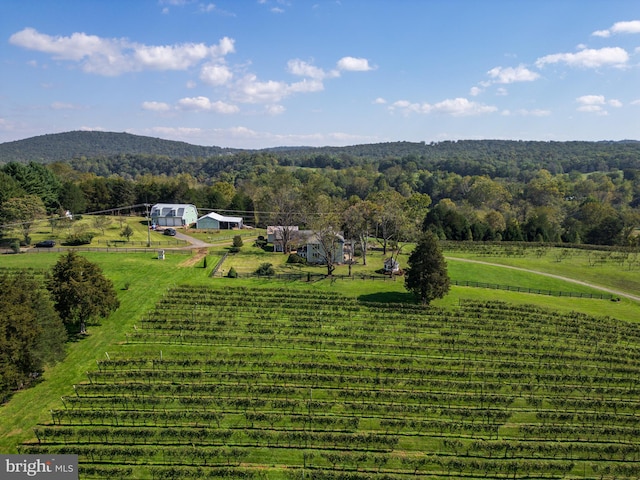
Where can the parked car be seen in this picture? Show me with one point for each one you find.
(170, 231)
(46, 244)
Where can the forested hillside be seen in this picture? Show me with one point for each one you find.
(484, 190)
(66, 146)
(106, 153)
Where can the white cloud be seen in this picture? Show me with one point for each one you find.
(591, 100)
(353, 64)
(275, 109)
(203, 104)
(305, 86)
(210, 7)
(636, 102)
(156, 106)
(110, 57)
(304, 69)
(626, 27)
(507, 75)
(456, 107)
(475, 91)
(596, 104)
(632, 26)
(534, 113)
(380, 101)
(65, 106)
(250, 90)
(215, 74)
(587, 58)
(170, 57)
(462, 107)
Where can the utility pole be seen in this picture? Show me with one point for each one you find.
(148, 226)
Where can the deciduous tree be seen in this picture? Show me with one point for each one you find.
(80, 291)
(22, 212)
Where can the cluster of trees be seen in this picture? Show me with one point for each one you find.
(38, 316)
(483, 191)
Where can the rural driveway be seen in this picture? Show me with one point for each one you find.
(559, 277)
(195, 243)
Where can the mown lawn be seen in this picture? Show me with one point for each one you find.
(619, 271)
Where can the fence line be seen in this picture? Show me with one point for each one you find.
(102, 249)
(218, 265)
(312, 277)
(537, 291)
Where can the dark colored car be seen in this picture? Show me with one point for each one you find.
(170, 231)
(46, 244)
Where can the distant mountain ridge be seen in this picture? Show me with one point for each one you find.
(585, 156)
(62, 147)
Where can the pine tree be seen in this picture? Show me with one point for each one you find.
(427, 276)
(31, 332)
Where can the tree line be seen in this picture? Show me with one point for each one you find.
(40, 313)
(389, 198)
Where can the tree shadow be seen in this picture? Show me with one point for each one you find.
(388, 297)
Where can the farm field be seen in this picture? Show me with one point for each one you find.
(613, 269)
(239, 339)
(288, 383)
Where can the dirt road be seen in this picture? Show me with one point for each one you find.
(559, 277)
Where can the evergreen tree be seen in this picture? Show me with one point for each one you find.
(31, 332)
(80, 291)
(427, 276)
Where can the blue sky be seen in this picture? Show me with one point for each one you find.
(264, 73)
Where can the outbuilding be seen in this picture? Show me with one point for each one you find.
(215, 221)
(173, 214)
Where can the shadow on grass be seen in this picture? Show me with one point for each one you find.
(388, 297)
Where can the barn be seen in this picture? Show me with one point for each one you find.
(215, 221)
(173, 214)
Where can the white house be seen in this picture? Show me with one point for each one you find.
(313, 250)
(174, 214)
(215, 221)
(276, 234)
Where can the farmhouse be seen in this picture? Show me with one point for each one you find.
(313, 251)
(215, 221)
(174, 214)
(276, 234)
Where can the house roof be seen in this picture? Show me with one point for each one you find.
(166, 208)
(174, 205)
(221, 218)
(271, 229)
(313, 237)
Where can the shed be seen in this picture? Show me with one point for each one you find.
(215, 221)
(174, 214)
(391, 265)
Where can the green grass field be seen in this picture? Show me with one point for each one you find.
(148, 279)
